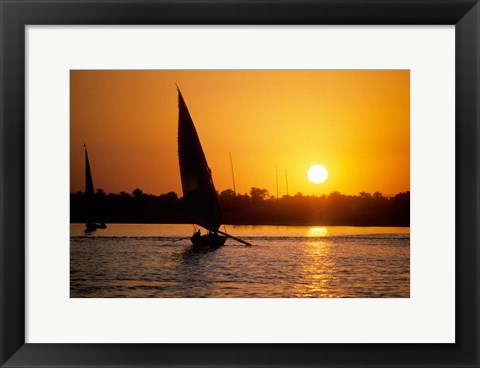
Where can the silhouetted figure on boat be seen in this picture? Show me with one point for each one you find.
(196, 236)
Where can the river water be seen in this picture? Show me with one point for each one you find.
(158, 261)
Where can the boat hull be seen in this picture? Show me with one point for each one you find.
(208, 240)
(91, 227)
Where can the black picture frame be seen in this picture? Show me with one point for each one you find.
(16, 14)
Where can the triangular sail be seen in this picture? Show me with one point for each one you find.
(88, 176)
(199, 193)
(89, 191)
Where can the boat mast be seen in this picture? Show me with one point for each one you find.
(286, 180)
(233, 175)
(276, 176)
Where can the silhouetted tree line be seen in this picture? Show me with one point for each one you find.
(256, 208)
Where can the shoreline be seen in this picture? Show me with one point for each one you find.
(263, 224)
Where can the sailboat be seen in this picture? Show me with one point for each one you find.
(199, 194)
(90, 226)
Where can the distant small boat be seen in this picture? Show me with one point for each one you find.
(199, 194)
(90, 226)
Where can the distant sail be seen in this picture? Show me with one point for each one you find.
(89, 191)
(199, 193)
(91, 211)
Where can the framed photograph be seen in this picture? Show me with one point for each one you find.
(193, 237)
(240, 183)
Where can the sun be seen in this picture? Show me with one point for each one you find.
(317, 174)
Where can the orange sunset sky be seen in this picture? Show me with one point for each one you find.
(356, 123)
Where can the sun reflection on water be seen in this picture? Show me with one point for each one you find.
(317, 266)
(316, 231)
